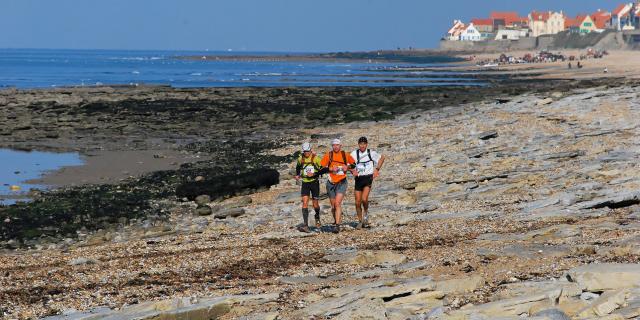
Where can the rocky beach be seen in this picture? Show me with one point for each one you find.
(517, 199)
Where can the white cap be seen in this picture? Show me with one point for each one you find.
(306, 146)
(336, 141)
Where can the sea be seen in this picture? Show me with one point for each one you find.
(46, 68)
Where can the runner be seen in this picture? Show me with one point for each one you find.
(308, 169)
(368, 165)
(338, 162)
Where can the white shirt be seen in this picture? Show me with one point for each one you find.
(366, 165)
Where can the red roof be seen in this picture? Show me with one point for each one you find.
(601, 18)
(540, 16)
(570, 22)
(482, 22)
(619, 9)
(508, 17)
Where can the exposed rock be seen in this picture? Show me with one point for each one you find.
(552, 314)
(488, 135)
(81, 261)
(545, 101)
(606, 276)
(177, 308)
(230, 213)
(605, 304)
(378, 258)
(204, 211)
(230, 185)
(202, 200)
(461, 285)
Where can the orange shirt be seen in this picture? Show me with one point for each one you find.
(338, 160)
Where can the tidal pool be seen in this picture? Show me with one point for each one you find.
(18, 167)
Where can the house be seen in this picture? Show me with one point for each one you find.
(483, 25)
(549, 22)
(455, 31)
(512, 34)
(602, 19)
(580, 24)
(626, 16)
(507, 20)
(471, 34)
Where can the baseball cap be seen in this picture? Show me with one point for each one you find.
(306, 146)
(363, 139)
(335, 141)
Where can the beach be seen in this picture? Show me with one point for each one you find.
(495, 200)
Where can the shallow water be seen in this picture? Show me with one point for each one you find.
(18, 167)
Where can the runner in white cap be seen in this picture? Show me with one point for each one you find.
(308, 169)
(338, 163)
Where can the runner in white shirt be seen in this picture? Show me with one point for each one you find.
(368, 165)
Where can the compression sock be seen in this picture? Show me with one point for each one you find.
(317, 213)
(305, 216)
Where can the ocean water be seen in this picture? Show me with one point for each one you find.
(18, 167)
(44, 68)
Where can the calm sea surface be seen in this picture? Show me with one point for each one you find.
(40, 68)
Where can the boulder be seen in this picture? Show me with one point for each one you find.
(203, 199)
(204, 211)
(229, 185)
(229, 213)
(605, 276)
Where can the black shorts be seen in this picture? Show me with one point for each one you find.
(312, 188)
(363, 182)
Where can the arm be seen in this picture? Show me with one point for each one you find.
(376, 171)
(298, 169)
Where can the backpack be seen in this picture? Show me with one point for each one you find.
(303, 164)
(358, 156)
(344, 158)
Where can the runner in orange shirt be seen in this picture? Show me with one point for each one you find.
(338, 162)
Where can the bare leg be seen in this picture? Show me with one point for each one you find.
(338, 207)
(365, 202)
(333, 209)
(359, 204)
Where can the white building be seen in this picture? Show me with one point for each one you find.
(471, 34)
(455, 31)
(512, 34)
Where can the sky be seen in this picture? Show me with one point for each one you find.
(250, 25)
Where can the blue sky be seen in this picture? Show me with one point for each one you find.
(254, 25)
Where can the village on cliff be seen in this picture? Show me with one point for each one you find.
(512, 26)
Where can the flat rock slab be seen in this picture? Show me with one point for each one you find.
(379, 258)
(606, 276)
(177, 308)
(310, 279)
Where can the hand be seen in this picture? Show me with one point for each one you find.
(345, 168)
(297, 178)
(376, 173)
